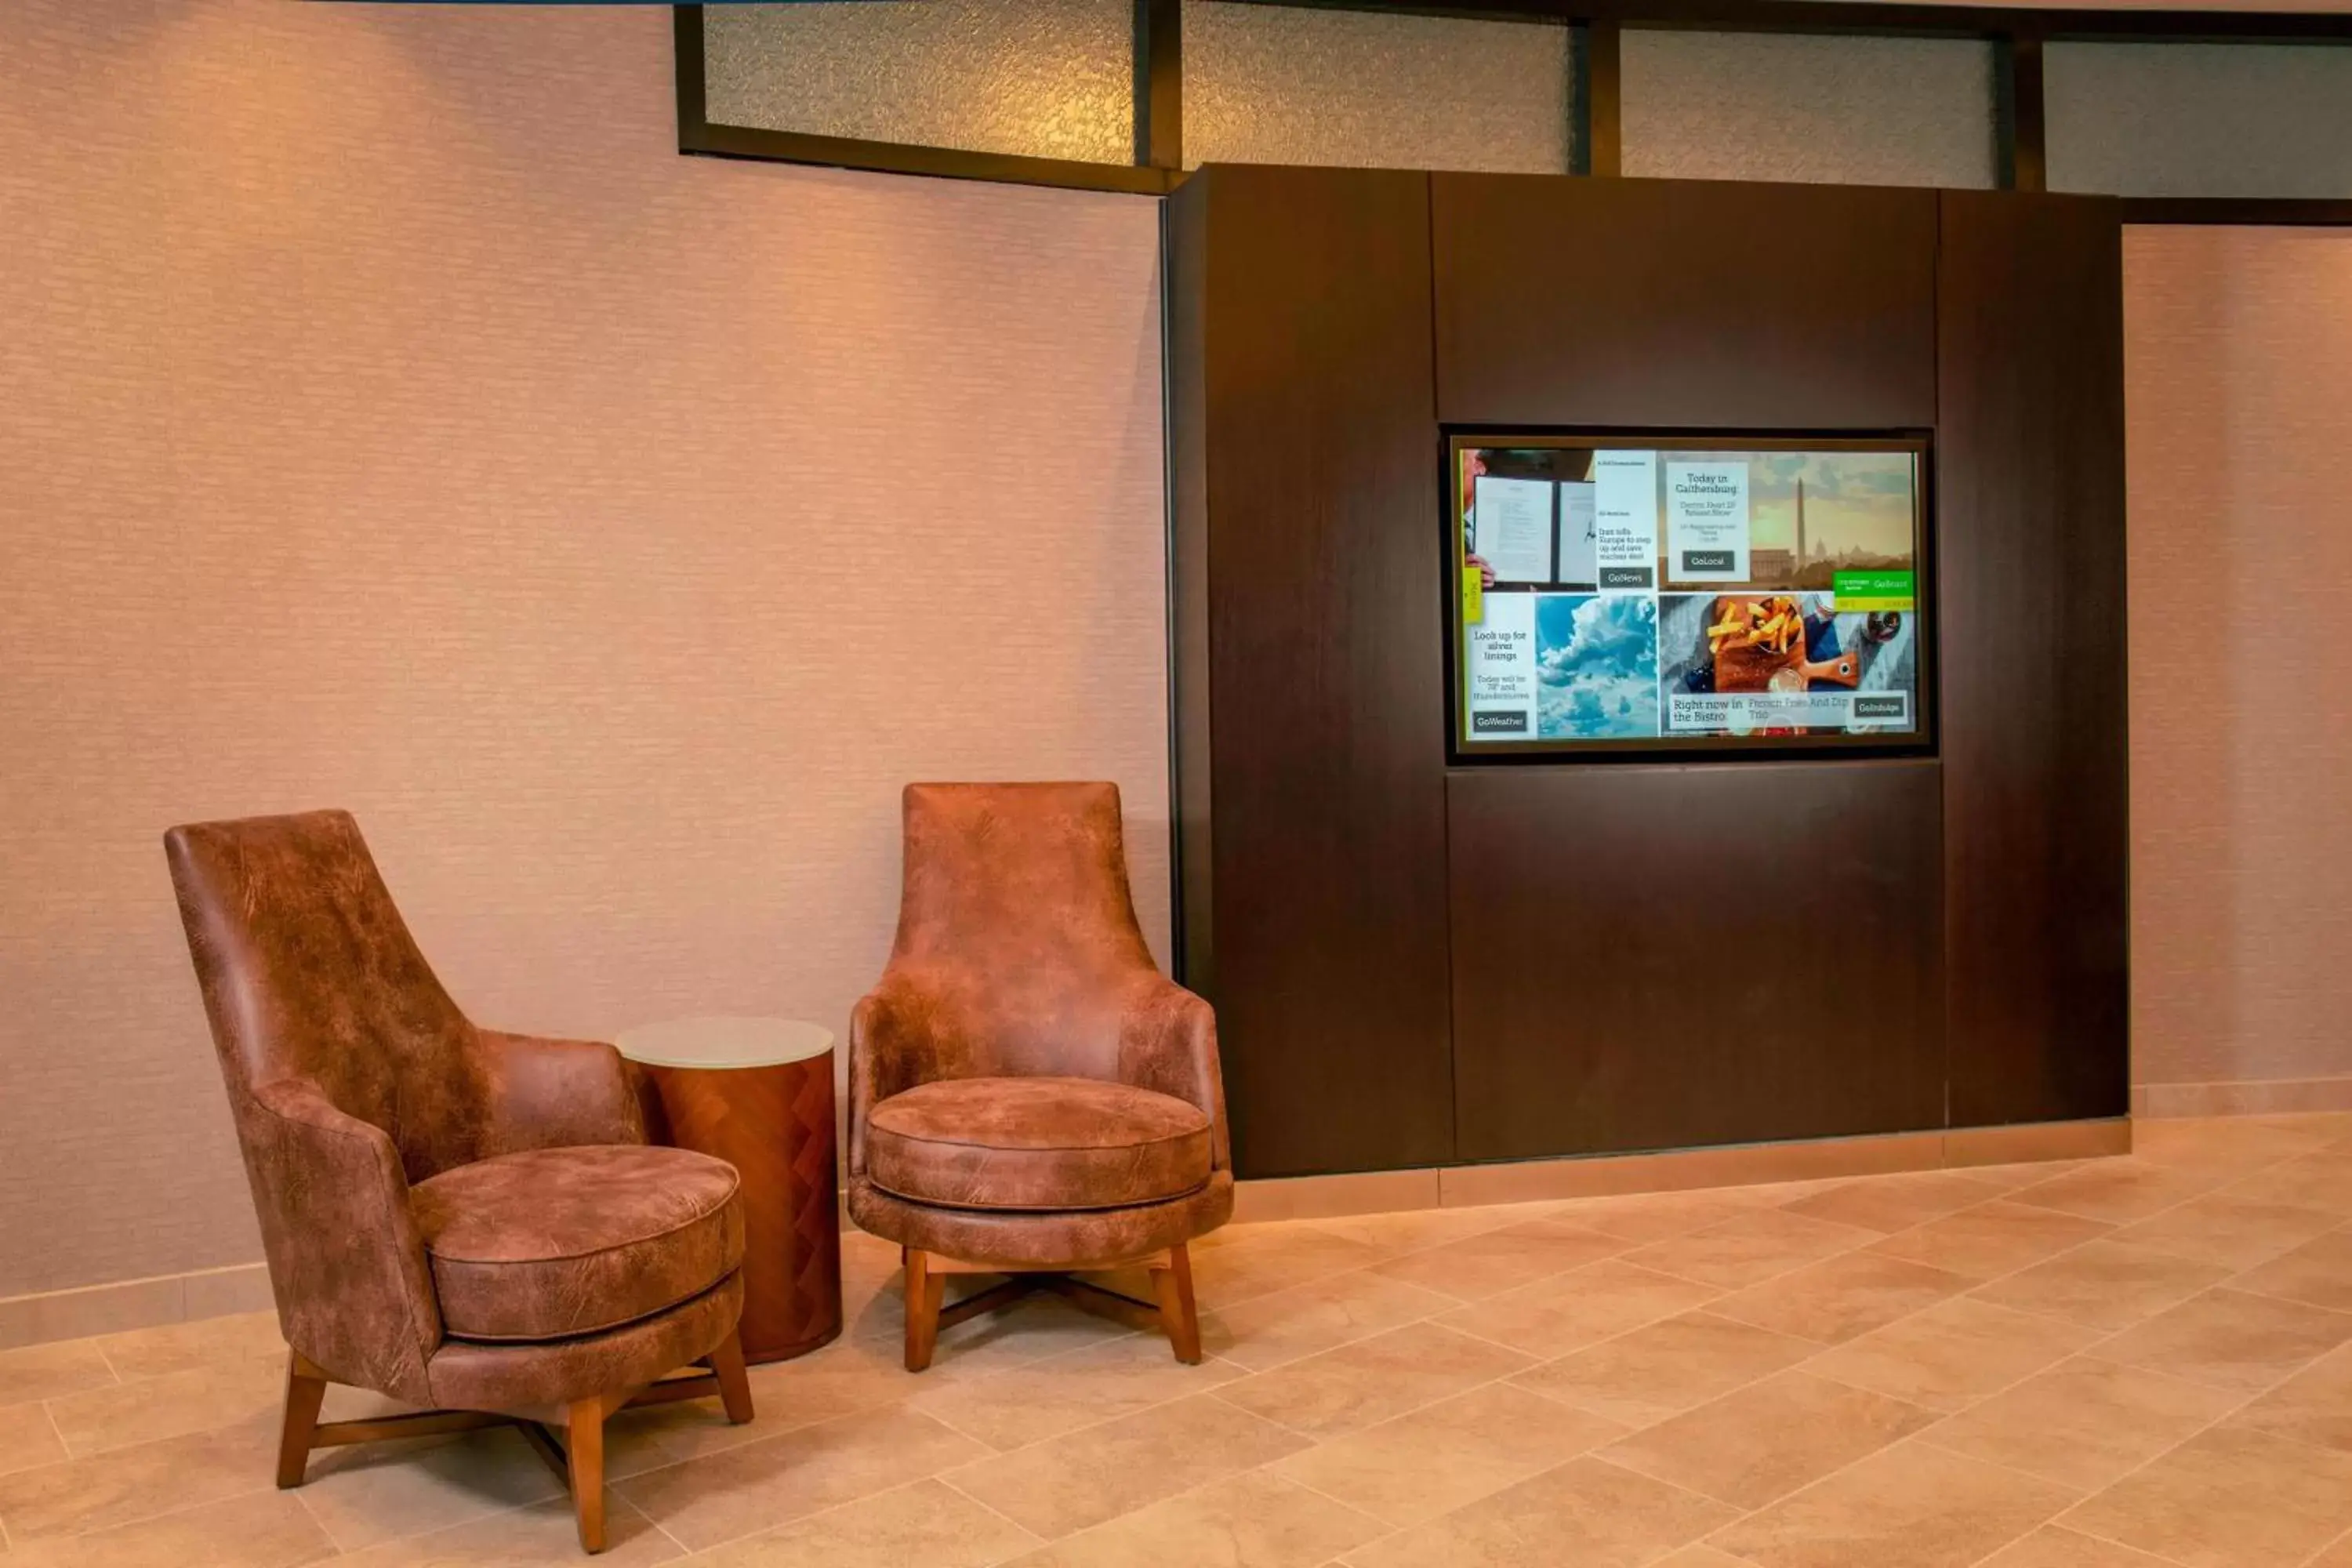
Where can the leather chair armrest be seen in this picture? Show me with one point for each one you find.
(556, 1094)
(885, 1058)
(354, 1292)
(1168, 1042)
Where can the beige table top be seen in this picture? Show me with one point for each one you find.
(718, 1044)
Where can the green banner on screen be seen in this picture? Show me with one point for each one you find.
(1860, 591)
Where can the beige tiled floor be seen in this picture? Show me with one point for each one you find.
(2141, 1362)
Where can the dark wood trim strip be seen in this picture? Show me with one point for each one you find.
(693, 85)
(2286, 212)
(1159, 84)
(940, 162)
(1604, 147)
(2029, 154)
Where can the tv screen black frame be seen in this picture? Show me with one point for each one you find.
(1919, 742)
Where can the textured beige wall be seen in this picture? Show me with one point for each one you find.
(390, 418)
(2239, 359)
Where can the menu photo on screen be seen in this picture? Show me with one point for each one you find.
(1636, 593)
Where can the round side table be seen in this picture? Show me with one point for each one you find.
(758, 1093)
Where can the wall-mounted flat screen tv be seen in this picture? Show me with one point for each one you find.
(1629, 593)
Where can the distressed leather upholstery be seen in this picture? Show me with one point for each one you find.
(1037, 1144)
(1026, 1089)
(547, 1243)
(431, 1192)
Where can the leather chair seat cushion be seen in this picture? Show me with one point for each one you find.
(1013, 1239)
(525, 1377)
(554, 1242)
(1037, 1144)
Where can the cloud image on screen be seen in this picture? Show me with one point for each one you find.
(1597, 667)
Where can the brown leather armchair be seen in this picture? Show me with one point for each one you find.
(1029, 1095)
(453, 1217)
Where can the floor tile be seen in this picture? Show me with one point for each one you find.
(381, 1491)
(1084, 1478)
(2231, 1340)
(1443, 1455)
(226, 1394)
(1372, 1380)
(136, 1483)
(2322, 1181)
(924, 1525)
(2236, 1232)
(2313, 1406)
(1890, 1204)
(544, 1535)
(1953, 1353)
(2225, 1142)
(28, 1438)
(1009, 1410)
(794, 1474)
(2084, 1424)
(52, 1371)
(1666, 1368)
(1750, 1249)
(1699, 1555)
(2053, 1546)
(183, 1347)
(1992, 1238)
(1645, 1218)
(1904, 1507)
(2119, 1191)
(1766, 1440)
(2227, 1498)
(2318, 1272)
(266, 1529)
(1020, 1335)
(1307, 1320)
(1417, 1230)
(1487, 1264)
(2102, 1285)
(1600, 1302)
(1841, 1298)
(1585, 1512)
(1274, 1258)
(2010, 1178)
(1251, 1520)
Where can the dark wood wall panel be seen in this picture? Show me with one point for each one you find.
(1658, 957)
(1184, 246)
(2031, 546)
(1676, 303)
(1325, 666)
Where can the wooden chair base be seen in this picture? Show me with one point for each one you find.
(1173, 1312)
(577, 1456)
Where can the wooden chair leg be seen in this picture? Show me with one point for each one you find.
(306, 1388)
(583, 1453)
(734, 1386)
(926, 1292)
(1172, 1283)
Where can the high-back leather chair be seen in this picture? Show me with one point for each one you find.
(453, 1216)
(1029, 1095)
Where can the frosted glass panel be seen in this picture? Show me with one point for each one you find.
(1832, 110)
(1048, 78)
(2200, 119)
(1269, 84)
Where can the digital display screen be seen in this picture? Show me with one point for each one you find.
(1640, 594)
